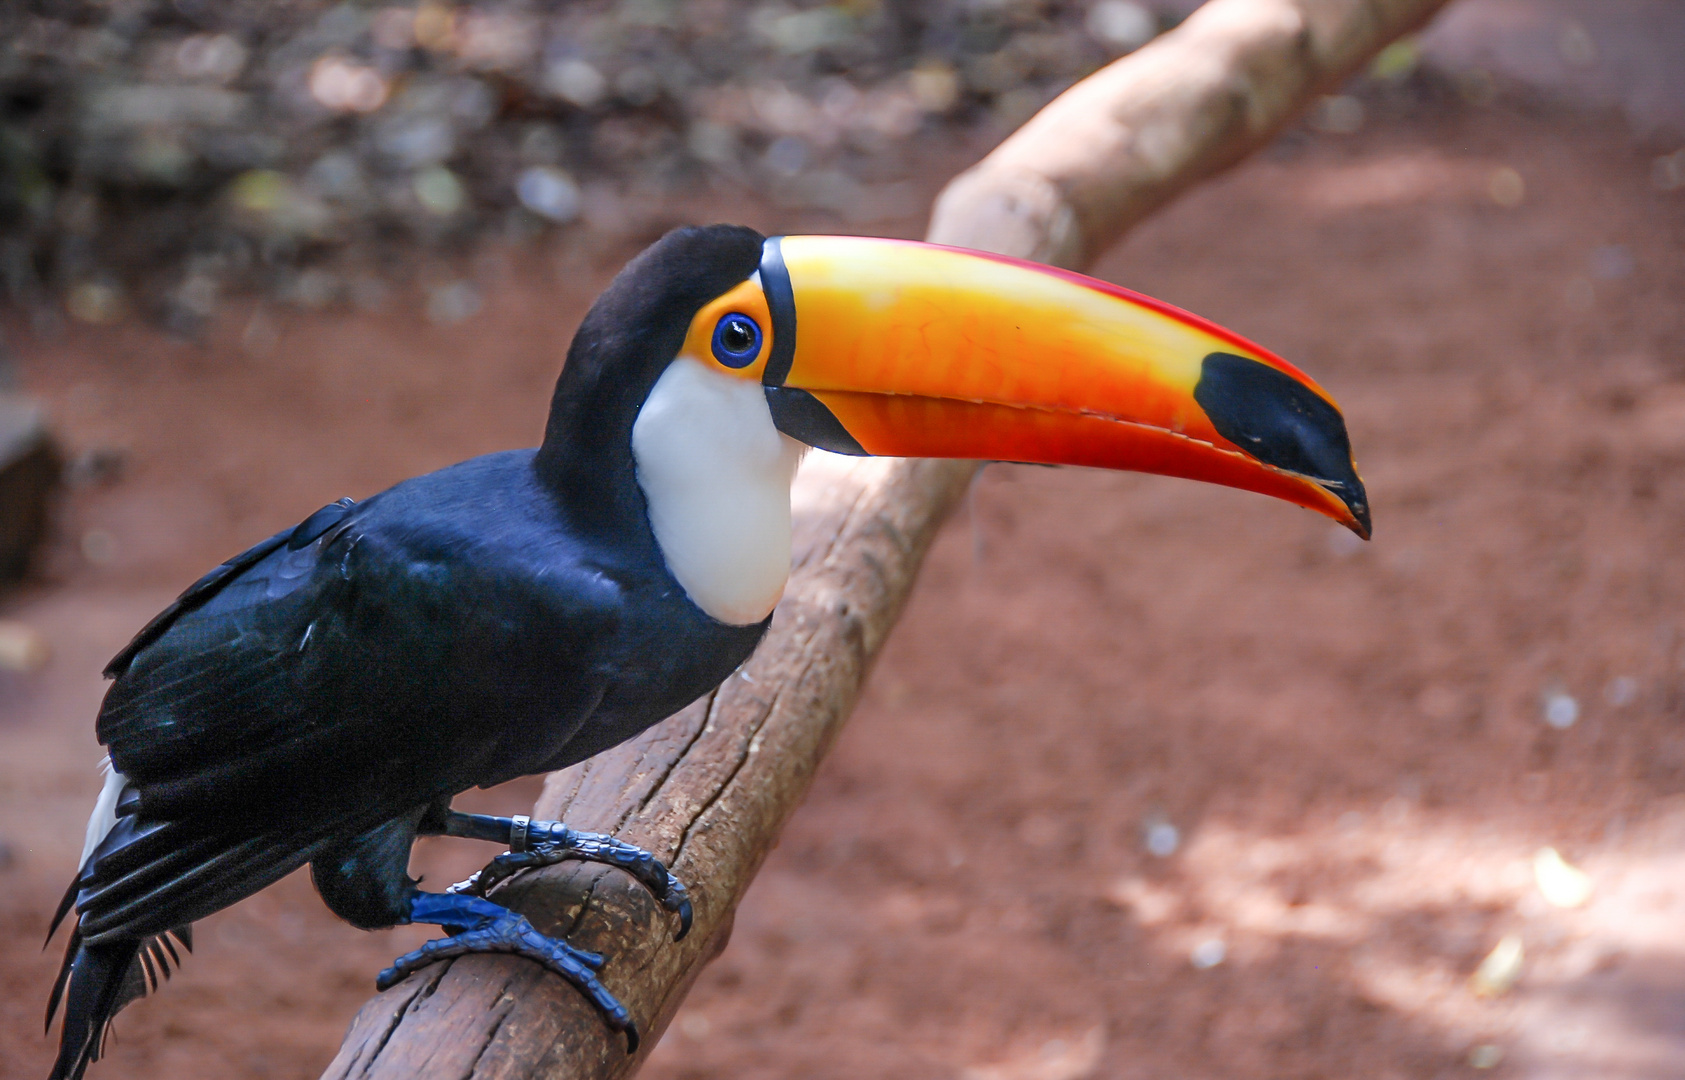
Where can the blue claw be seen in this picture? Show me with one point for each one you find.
(485, 927)
(551, 842)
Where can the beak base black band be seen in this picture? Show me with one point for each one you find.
(795, 412)
(802, 416)
(781, 302)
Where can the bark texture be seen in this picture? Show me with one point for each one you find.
(709, 789)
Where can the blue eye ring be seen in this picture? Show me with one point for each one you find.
(737, 340)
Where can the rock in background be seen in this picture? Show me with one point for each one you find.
(156, 154)
(29, 471)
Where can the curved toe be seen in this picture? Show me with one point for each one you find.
(513, 934)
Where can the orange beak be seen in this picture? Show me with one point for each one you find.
(890, 347)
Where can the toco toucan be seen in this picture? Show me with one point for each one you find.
(320, 698)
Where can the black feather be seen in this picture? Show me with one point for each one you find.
(66, 902)
(92, 984)
(57, 994)
(195, 594)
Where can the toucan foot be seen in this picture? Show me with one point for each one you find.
(510, 933)
(550, 842)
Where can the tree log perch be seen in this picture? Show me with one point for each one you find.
(708, 790)
(1126, 140)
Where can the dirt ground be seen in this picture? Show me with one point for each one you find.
(1339, 751)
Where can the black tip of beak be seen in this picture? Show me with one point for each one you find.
(1283, 423)
(1359, 506)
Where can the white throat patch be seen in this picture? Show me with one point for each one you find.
(716, 475)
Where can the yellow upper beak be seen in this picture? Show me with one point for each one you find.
(891, 347)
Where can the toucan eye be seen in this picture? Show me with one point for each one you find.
(737, 340)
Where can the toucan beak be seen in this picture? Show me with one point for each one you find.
(890, 347)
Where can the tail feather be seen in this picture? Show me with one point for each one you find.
(93, 981)
(160, 959)
(149, 972)
(96, 982)
(65, 904)
(57, 994)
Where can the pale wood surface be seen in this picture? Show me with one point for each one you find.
(710, 789)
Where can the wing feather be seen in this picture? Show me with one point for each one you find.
(200, 591)
(337, 675)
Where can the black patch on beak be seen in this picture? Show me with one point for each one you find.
(781, 302)
(802, 416)
(1283, 423)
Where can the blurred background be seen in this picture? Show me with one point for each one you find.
(1152, 780)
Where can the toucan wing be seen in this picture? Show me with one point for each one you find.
(197, 594)
(327, 684)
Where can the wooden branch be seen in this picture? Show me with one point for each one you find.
(709, 789)
(1128, 139)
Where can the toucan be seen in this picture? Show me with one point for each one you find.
(320, 698)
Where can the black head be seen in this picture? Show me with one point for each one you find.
(625, 342)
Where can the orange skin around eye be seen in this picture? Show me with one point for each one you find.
(744, 299)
